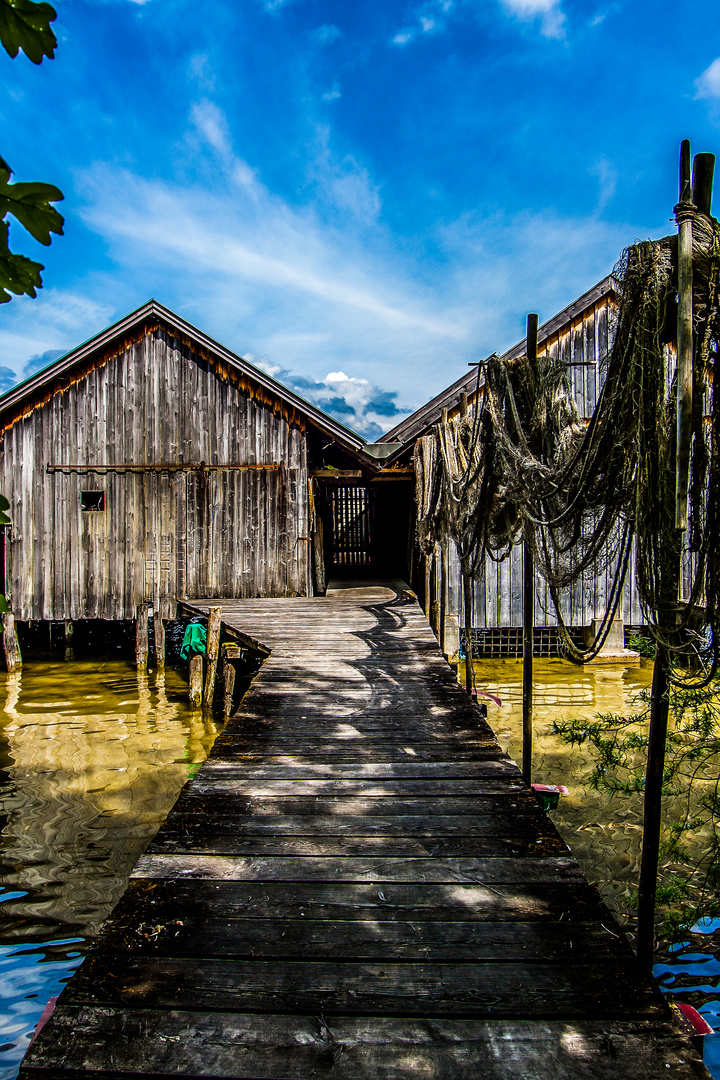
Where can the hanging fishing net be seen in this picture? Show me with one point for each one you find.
(584, 497)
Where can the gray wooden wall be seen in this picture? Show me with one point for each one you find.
(582, 343)
(164, 535)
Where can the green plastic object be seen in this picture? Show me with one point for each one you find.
(194, 641)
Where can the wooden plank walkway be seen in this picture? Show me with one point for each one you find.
(357, 886)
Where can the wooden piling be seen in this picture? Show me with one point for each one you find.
(11, 645)
(159, 628)
(468, 603)
(528, 601)
(196, 681)
(211, 650)
(702, 182)
(141, 636)
(229, 688)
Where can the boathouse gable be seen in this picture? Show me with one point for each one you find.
(152, 465)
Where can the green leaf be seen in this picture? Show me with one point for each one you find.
(18, 275)
(26, 25)
(5, 608)
(30, 204)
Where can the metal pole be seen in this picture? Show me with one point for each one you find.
(528, 604)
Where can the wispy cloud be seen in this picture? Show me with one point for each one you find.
(552, 19)
(326, 34)
(61, 319)
(333, 94)
(707, 85)
(607, 182)
(429, 17)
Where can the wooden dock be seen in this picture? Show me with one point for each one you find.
(357, 886)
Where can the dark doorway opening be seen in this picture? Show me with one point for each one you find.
(352, 512)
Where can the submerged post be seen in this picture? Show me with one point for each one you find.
(13, 657)
(528, 604)
(141, 636)
(159, 633)
(212, 647)
(196, 681)
(684, 213)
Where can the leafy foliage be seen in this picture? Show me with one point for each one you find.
(26, 25)
(689, 878)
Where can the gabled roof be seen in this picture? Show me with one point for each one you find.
(418, 422)
(15, 402)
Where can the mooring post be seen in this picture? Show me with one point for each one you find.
(443, 600)
(196, 681)
(428, 578)
(684, 213)
(212, 647)
(159, 634)
(652, 807)
(229, 689)
(11, 645)
(141, 636)
(468, 603)
(528, 603)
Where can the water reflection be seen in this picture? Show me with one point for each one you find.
(92, 756)
(604, 832)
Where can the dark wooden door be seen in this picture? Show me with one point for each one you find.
(352, 510)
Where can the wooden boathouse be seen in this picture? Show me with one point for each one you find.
(580, 335)
(152, 465)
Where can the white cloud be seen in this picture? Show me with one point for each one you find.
(60, 321)
(210, 122)
(548, 11)
(607, 182)
(429, 17)
(332, 95)
(708, 84)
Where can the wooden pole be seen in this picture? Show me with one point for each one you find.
(684, 213)
(528, 604)
(428, 577)
(196, 681)
(652, 808)
(229, 688)
(702, 182)
(468, 601)
(443, 600)
(141, 636)
(212, 647)
(159, 629)
(463, 404)
(11, 645)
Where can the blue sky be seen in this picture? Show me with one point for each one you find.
(359, 197)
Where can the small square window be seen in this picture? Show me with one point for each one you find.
(92, 500)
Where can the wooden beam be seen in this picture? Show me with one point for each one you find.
(159, 629)
(196, 681)
(702, 182)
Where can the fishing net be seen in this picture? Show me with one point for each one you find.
(523, 465)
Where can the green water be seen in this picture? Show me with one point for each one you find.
(92, 756)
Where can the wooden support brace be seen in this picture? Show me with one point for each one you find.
(196, 681)
(13, 657)
(141, 636)
(212, 649)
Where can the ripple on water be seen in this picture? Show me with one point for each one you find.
(92, 757)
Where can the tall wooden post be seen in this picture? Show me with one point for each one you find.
(141, 636)
(684, 213)
(443, 599)
(13, 656)
(528, 604)
(428, 579)
(652, 808)
(468, 603)
(212, 648)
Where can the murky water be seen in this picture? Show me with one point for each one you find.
(603, 831)
(92, 757)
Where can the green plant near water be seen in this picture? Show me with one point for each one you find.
(689, 873)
